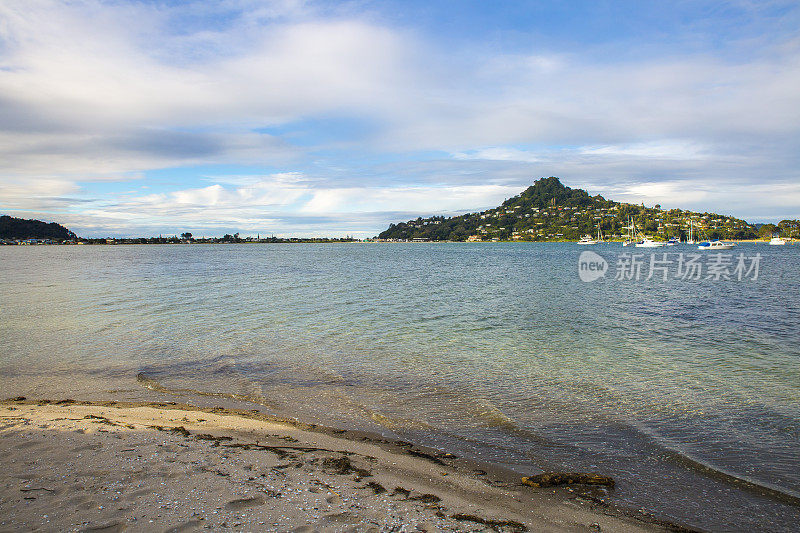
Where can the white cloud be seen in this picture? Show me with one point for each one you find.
(666, 149)
(277, 202)
(431, 199)
(498, 154)
(759, 202)
(66, 85)
(47, 193)
(86, 67)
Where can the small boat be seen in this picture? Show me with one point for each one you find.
(776, 241)
(716, 245)
(587, 239)
(672, 242)
(649, 243)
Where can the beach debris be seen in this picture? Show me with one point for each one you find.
(271, 493)
(430, 457)
(497, 525)
(206, 436)
(343, 466)
(427, 498)
(36, 488)
(181, 431)
(100, 420)
(553, 479)
(400, 491)
(591, 499)
(377, 488)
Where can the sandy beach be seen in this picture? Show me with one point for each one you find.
(112, 466)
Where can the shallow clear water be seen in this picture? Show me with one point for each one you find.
(688, 392)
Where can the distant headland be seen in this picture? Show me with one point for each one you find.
(550, 211)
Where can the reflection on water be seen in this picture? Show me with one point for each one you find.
(674, 387)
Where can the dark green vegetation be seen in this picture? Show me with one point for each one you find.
(785, 228)
(550, 211)
(21, 231)
(187, 238)
(19, 228)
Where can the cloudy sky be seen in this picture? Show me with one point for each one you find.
(333, 118)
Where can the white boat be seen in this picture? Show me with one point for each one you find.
(672, 242)
(716, 245)
(587, 239)
(649, 243)
(776, 241)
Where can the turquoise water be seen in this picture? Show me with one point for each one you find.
(686, 391)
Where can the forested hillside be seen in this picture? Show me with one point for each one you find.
(20, 228)
(550, 211)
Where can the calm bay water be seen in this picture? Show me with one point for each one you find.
(687, 392)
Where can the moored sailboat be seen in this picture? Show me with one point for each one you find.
(631, 227)
(690, 240)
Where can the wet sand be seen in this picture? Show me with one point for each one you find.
(114, 466)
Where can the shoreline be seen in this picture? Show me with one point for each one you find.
(123, 242)
(244, 470)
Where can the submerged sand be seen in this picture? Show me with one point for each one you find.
(110, 466)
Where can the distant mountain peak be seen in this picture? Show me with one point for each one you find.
(549, 210)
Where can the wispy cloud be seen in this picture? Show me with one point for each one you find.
(680, 150)
(498, 154)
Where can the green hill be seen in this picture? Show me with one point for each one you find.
(19, 229)
(550, 211)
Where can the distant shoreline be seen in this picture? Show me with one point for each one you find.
(127, 242)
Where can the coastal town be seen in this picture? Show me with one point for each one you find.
(548, 211)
